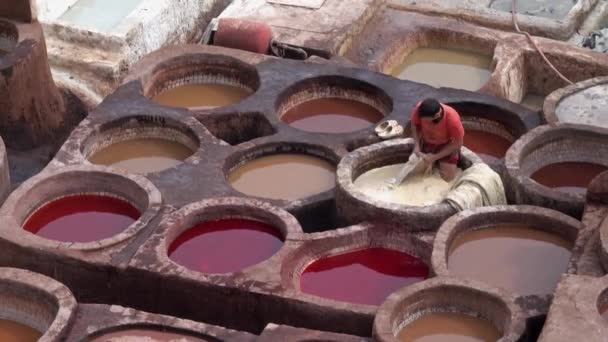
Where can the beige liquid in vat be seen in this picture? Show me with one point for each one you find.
(204, 95)
(446, 68)
(416, 190)
(449, 327)
(518, 258)
(11, 331)
(287, 176)
(142, 155)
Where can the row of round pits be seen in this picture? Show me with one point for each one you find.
(446, 68)
(449, 327)
(146, 335)
(202, 82)
(515, 257)
(365, 276)
(141, 144)
(11, 331)
(571, 177)
(416, 190)
(285, 176)
(82, 218)
(333, 104)
(225, 246)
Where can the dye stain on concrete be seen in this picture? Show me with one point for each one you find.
(489, 147)
(146, 335)
(518, 258)
(203, 95)
(82, 218)
(446, 68)
(332, 115)
(366, 276)
(99, 15)
(571, 177)
(287, 176)
(11, 331)
(142, 155)
(449, 327)
(553, 9)
(589, 106)
(416, 190)
(225, 246)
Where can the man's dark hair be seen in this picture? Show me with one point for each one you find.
(428, 108)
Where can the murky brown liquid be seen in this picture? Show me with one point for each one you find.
(533, 101)
(449, 327)
(142, 155)
(145, 335)
(572, 177)
(515, 257)
(489, 147)
(332, 115)
(201, 95)
(284, 176)
(446, 68)
(16, 332)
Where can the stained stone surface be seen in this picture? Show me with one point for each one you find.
(589, 106)
(554, 9)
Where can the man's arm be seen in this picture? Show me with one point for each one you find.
(450, 148)
(416, 139)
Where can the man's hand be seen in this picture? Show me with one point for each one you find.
(429, 158)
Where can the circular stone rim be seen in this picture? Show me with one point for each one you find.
(347, 240)
(196, 213)
(15, 229)
(553, 100)
(157, 78)
(490, 217)
(346, 185)
(523, 184)
(241, 157)
(386, 323)
(339, 87)
(63, 297)
(187, 127)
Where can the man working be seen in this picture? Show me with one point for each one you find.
(438, 133)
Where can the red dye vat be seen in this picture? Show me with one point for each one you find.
(225, 246)
(366, 277)
(489, 147)
(82, 218)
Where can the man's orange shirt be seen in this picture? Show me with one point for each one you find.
(443, 132)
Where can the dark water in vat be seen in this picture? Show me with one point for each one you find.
(366, 276)
(225, 246)
(82, 218)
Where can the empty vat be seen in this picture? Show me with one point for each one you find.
(516, 257)
(332, 115)
(286, 176)
(226, 245)
(82, 218)
(446, 68)
(365, 276)
(571, 177)
(143, 155)
(145, 335)
(99, 15)
(11, 331)
(449, 327)
(488, 146)
(416, 190)
(202, 95)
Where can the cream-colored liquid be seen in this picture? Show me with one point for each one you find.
(286, 176)
(11, 331)
(533, 101)
(446, 68)
(201, 95)
(521, 259)
(142, 155)
(145, 335)
(416, 190)
(449, 327)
